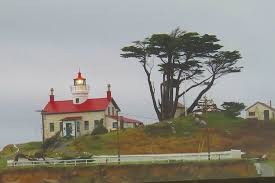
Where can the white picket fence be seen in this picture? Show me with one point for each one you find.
(153, 158)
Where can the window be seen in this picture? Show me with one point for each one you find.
(86, 125)
(51, 127)
(114, 124)
(109, 111)
(251, 113)
(61, 126)
(77, 100)
(113, 110)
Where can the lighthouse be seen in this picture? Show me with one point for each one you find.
(79, 89)
(80, 115)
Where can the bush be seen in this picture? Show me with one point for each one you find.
(51, 142)
(3, 162)
(68, 157)
(8, 150)
(99, 130)
(233, 109)
(159, 129)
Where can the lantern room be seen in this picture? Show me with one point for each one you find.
(79, 80)
(79, 90)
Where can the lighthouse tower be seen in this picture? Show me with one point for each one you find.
(80, 90)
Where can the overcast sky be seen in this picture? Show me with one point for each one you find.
(44, 42)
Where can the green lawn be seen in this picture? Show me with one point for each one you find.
(30, 147)
(214, 120)
(184, 126)
(221, 121)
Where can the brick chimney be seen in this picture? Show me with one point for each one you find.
(51, 95)
(109, 93)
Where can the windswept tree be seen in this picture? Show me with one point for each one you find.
(233, 109)
(181, 57)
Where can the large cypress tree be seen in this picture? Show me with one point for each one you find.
(181, 57)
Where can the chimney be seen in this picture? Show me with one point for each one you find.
(51, 95)
(109, 93)
(270, 104)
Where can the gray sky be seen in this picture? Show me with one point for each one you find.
(44, 42)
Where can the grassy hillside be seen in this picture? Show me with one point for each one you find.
(177, 137)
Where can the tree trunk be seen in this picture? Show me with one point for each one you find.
(152, 92)
(195, 103)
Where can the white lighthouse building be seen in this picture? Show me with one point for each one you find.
(81, 114)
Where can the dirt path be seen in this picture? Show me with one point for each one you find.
(17, 148)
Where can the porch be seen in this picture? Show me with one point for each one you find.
(71, 127)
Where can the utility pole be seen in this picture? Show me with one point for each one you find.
(118, 142)
(208, 143)
(43, 133)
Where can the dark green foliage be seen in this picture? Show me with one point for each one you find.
(51, 142)
(233, 109)
(159, 129)
(68, 156)
(39, 155)
(99, 130)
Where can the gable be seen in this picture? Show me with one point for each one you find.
(112, 108)
(260, 105)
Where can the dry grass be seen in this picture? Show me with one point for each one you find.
(225, 134)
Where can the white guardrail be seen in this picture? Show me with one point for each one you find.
(232, 154)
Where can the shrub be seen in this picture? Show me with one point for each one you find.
(8, 150)
(159, 129)
(68, 156)
(3, 162)
(233, 109)
(99, 130)
(51, 142)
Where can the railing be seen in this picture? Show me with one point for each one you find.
(51, 162)
(134, 159)
(80, 89)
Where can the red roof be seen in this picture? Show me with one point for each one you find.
(127, 120)
(67, 106)
(79, 76)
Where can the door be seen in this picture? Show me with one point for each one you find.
(69, 129)
(266, 115)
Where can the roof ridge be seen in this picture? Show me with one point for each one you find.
(262, 103)
(267, 105)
